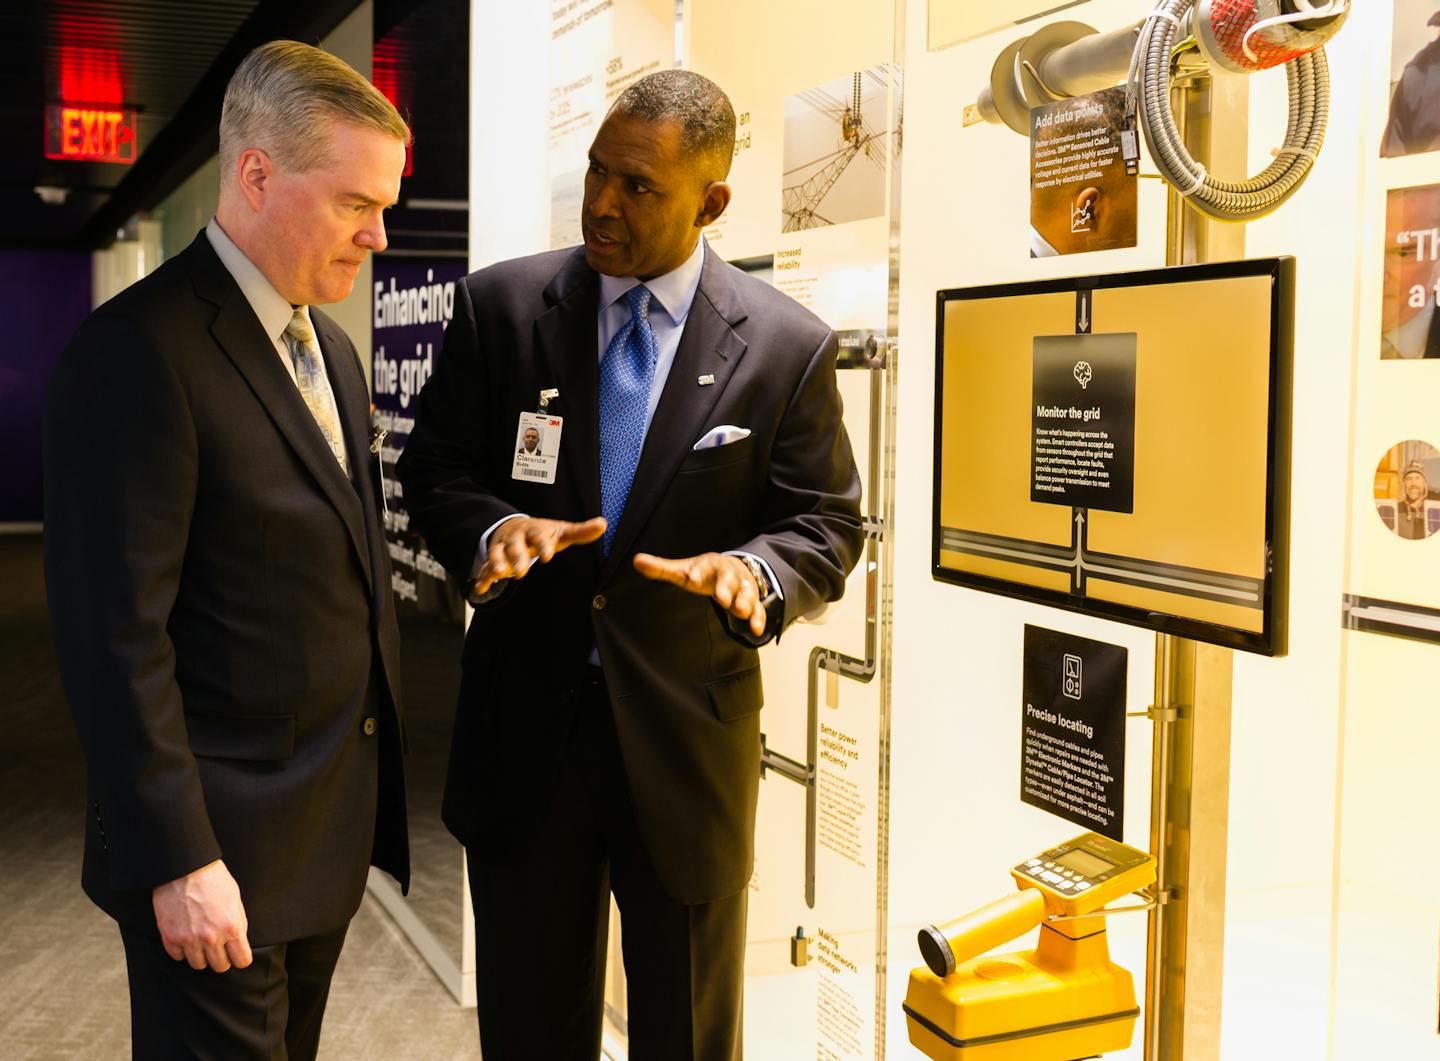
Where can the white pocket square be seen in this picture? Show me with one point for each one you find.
(721, 436)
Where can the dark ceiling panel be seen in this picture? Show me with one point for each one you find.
(171, 59)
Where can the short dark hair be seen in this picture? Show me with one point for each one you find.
(707, 120)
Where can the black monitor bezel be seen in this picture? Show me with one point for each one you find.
(1271, 640)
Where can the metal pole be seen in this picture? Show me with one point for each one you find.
(1190, 779)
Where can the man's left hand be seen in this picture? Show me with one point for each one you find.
(726, 579)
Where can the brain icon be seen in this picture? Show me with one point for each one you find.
(1083, 373)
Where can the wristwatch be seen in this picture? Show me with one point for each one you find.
(764, 591)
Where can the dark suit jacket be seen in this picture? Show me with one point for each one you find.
(220, 595)
(685, 690)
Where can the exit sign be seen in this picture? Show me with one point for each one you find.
(90, 133)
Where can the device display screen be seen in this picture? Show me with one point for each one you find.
(1135, 469)
(1084, 863)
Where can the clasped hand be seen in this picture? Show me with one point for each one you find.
(202, 920)
(519, 543)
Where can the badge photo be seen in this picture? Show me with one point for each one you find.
(537, 448)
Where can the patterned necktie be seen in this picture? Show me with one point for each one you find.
(314, 387)
(626, 374)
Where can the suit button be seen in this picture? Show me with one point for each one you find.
(369, 727)
(598, 602)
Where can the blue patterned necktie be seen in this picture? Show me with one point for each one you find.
(626, 374)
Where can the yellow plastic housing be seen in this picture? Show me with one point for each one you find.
(1063, 999)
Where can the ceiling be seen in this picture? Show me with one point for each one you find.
(169, 59)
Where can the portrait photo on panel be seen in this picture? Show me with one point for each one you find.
(1409, 325)
(1405, 482)
(1413, 125)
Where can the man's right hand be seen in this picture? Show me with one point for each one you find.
(517, 543)
(202, 920)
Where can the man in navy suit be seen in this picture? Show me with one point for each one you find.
(703, 496)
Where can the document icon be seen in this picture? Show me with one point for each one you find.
(1072, 676)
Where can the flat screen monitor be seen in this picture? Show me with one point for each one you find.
(1119, 445)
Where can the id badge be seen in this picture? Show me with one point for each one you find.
(537, 448)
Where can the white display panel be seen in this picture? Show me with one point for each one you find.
(597, 48)
(815, 91)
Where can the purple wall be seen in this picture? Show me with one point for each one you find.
(44, 295)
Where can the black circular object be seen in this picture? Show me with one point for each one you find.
(935, 949)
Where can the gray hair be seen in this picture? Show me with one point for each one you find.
(282, 99)
(707, 120)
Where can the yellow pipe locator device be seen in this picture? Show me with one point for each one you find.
(1064, 999)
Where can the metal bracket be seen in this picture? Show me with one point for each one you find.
(1156, 714)
(1152, 899)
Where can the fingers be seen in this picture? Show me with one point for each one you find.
(759, 620)
(520, 542)
(728, 587)
(658, 568)
(239, 952)
(592, 530)
(201, 919)
(215, 955)
(737, 593)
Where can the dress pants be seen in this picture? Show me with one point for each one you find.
(268, 1011)
(542, 919)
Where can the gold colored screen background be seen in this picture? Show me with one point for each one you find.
(1201, 430)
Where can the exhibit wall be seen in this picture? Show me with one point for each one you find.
(1328, 742)
(1392, 590)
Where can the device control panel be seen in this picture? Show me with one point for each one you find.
(1083, 874)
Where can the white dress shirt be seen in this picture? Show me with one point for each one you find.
(272, 309)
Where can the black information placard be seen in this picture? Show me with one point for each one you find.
(1072, 733)
(1082, 450)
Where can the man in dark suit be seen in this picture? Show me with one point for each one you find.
(219, 582)
(704, 496)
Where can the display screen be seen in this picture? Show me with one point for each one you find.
(1118, 445)
(1084, 863)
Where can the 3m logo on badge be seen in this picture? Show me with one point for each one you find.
(1072, 676)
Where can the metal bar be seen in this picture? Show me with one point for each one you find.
(1107, 911)
(1193, 682)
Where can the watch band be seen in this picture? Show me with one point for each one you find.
(764, 590)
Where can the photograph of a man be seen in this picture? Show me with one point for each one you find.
(1402, 489)
(620, 752)
(530, 442)
(1410, 519)
(219, 580)
(1414, 122)
(1410, 326)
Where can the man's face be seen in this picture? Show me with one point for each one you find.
(1411, 263)
(532, 439)
(320, 224)
(642, 199)
(1415, 488)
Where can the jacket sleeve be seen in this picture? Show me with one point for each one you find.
(121, 462)
(811, 532)
(442, 466)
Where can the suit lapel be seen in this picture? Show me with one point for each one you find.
(709, 345)
(244, 342)
(353, 405)
(565, 337)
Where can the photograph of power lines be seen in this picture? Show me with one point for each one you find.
(837, 147)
